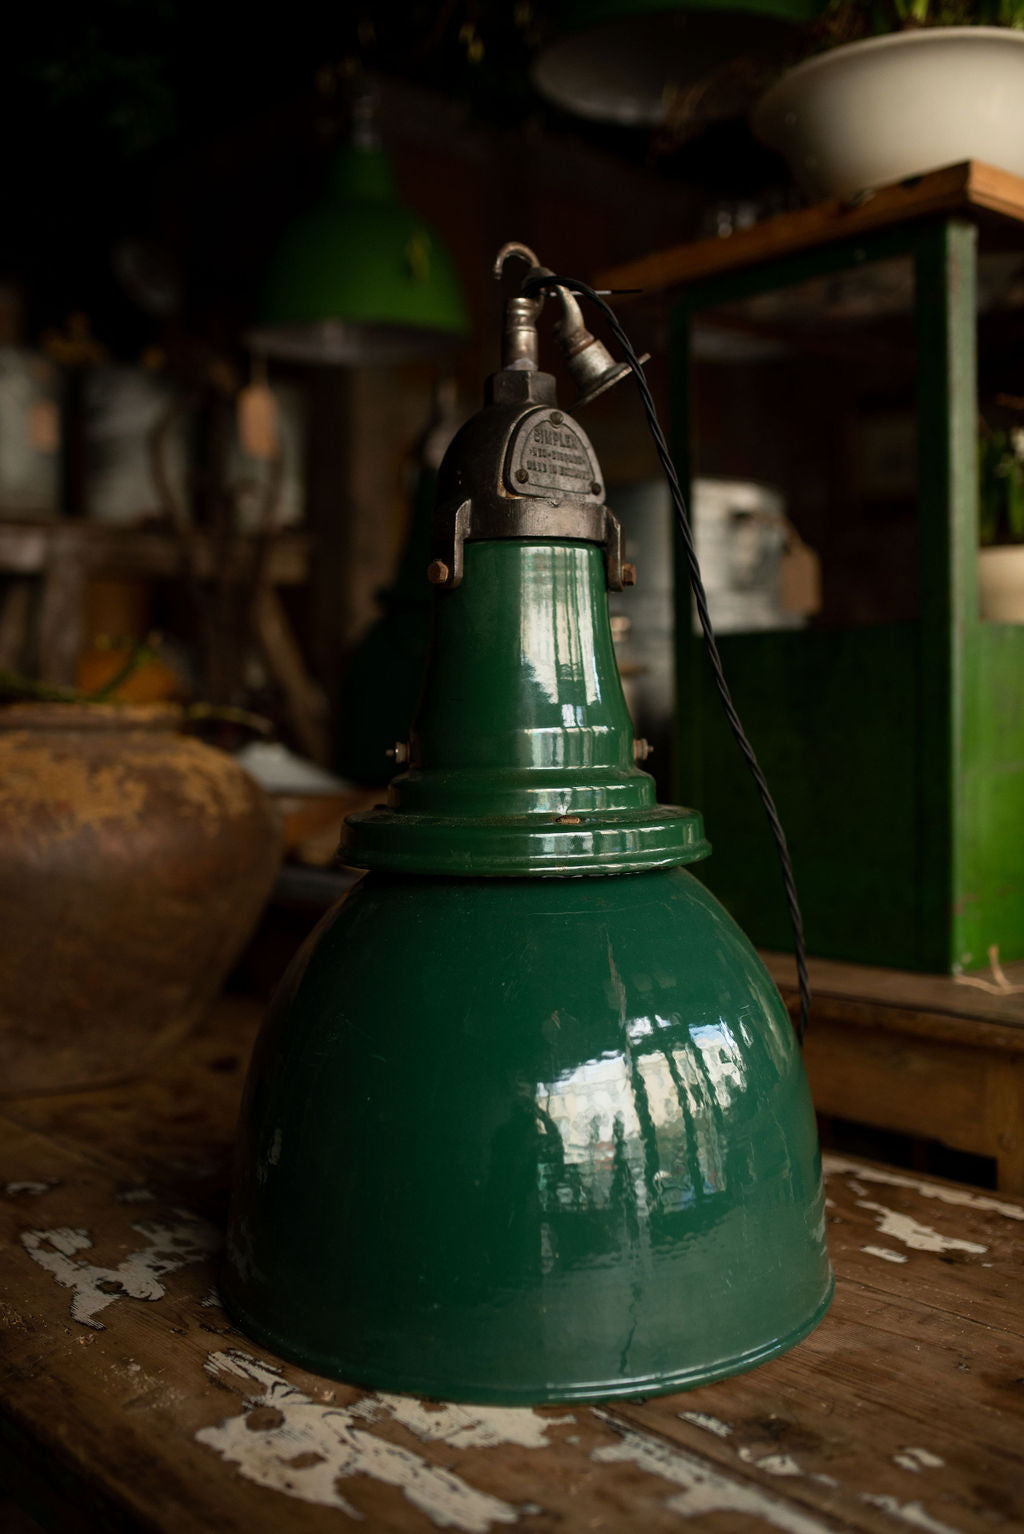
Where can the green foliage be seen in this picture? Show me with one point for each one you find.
(848, 21)
(1001, 486)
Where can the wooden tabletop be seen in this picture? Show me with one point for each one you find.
(127, 1401)
(972, 188)
(989, 1002)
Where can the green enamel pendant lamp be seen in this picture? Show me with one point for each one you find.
(360, 279)
(527, 1121)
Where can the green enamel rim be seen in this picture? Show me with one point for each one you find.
(334, 1367)
(629, 842)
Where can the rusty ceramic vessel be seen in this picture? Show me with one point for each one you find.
(134, 862)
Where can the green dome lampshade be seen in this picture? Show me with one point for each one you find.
(360, 279)
(629, 61)
(527, 1121)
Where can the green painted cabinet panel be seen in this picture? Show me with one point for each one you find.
(895, 750)
(815, 705)
(989, 908)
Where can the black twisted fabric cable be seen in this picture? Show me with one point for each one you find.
(534, 285)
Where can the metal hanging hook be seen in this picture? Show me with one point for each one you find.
(514, 248)
(519, 350)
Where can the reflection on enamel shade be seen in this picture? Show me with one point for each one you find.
(721, 1057)
(646, 1124)
(553, 623)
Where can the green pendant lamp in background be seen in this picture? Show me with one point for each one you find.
(360, 279)
(632, 61)
(527, 1121)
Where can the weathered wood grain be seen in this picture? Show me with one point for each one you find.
(954, 1007)
(971, 187)
(927, 1055)
(127, 1400)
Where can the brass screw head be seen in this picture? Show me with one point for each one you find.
(557, 418)
(595, 487)
(437, 572)
(522, 476)
(642, 749)
(629, 575)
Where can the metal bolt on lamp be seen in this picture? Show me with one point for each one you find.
(527, 1121)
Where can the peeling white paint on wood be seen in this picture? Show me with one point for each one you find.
(918, 1460)
(704, 1489)
(286, 1441)
(910, 1512)
(472, 1427)
(920, 1238)
(708, 1423)
(772, 1464)
(885, 1252)
(839, 1165)
(27, 1189)
(137, 1276)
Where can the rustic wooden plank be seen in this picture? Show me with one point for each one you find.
(916, 1086)
(916, 996)
(167, 1419)
(997, 191)
(957, 188)
(905, 1406)
(174, 1127)
(927, 1055)
(28, 549)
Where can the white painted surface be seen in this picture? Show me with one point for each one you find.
(918, 1460)
(840, 1166)
(472, 1427)
(772, 1464)
(909, 1512)
(775, 1464)
(137, 1276)
(886, 1253)
(703, 1488)
(308, 1447)
(920, 1238)
(709, 1424)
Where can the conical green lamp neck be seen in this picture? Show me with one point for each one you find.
(522, 758)
(362, 172)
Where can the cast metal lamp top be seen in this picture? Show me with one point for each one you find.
(563, 792)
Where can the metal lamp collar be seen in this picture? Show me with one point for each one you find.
(521, 468)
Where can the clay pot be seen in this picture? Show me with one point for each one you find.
(134, 862)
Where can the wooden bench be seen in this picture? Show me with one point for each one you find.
(127, 1401)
